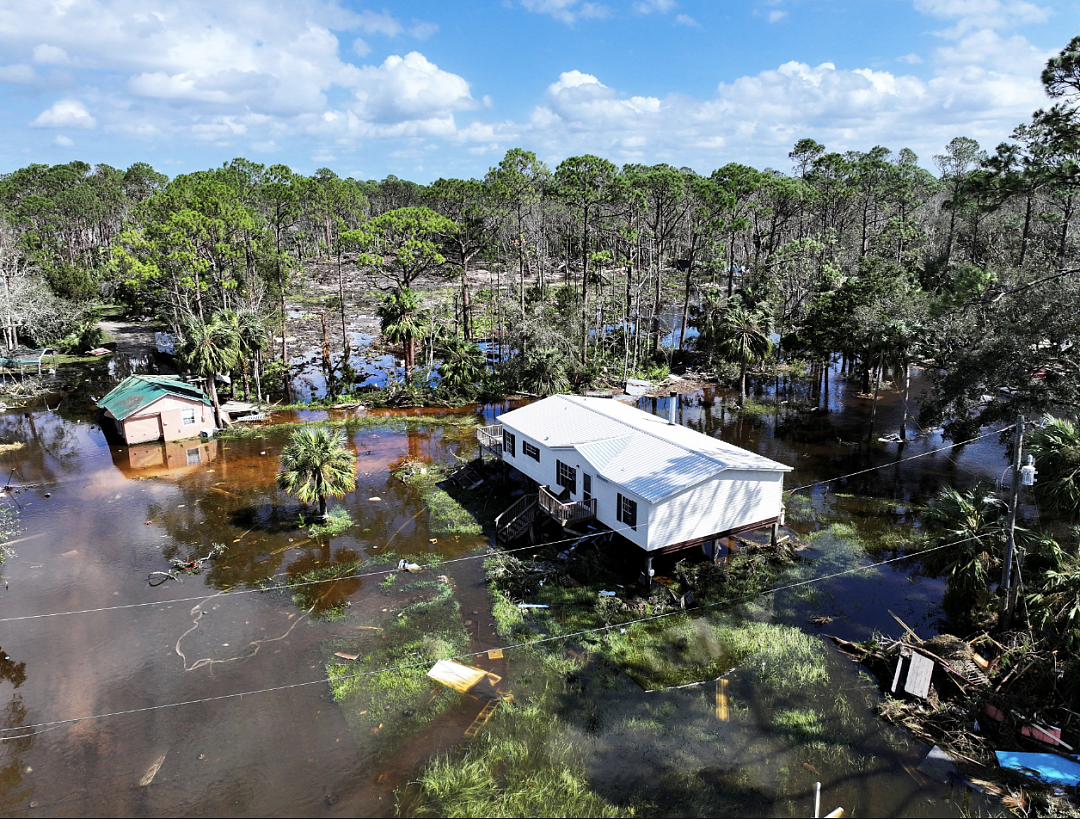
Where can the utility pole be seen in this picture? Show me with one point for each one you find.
(1007, 599)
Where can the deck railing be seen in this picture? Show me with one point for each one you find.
(566, 513)
(490, 438)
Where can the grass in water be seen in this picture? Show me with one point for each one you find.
(447, 516)
(521, 765)
(392, 704)
(337, 521)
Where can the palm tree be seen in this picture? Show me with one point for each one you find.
(316, 463)
(253, 338)
(402, 321)
(743, 337)
(463, 364)
(210, 348)
(1056, 447)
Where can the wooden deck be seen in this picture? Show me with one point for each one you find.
(566, 513)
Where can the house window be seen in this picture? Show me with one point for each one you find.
(566, 477)
(627, 512)
(508, 442)
(586, 485)
(530, 450)
(187, 416)
(194, 456)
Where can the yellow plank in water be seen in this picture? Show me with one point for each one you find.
(722, 713)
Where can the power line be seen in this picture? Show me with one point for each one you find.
(234, 592)
(904, 460)
(379, 573)
(52, 725)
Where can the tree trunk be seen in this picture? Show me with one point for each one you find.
(907, 392)
(218, 419)
(585, 289)
(742, 384)
(1027, 229)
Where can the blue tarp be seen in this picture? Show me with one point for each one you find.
(1051, 768)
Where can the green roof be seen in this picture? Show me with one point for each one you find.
(138, 391)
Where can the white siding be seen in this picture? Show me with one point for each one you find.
(731, 499)
(606, 494)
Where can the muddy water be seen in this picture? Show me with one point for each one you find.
(116, 513)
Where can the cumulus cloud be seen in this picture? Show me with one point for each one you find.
(757, 118)
(62, 141)
(409, 88)
(776, 15)
(64, 114)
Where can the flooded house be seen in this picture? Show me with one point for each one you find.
(662, 486)
(157, 408)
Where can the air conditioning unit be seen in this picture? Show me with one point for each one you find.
(207, 433)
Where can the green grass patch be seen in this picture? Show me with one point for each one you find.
(393, 704)
(338, 520)
(393, 423)
(446, 515)
(519, 767)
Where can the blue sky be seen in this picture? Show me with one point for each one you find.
(423, 89)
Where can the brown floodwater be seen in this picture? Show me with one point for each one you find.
(100, 516)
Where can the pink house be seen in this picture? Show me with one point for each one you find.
(157, 407)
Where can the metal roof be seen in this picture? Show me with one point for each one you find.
(138, 391)
(637, 450)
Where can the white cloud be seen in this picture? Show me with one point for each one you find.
(62, 141)
(910, 59)
(775, 16)
(65, 114)
(45, 54)
(422, 31)
(686, 20)
(18, 73)
(567, 11)
(757, 118)
(649, 6)
(972, 14)
(409, 88)
(205, 69)
(382, 22)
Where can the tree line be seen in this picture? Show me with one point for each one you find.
(570, 274)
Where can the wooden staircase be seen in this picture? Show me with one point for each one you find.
(512, 523)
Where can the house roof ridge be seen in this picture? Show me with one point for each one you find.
(651, 434)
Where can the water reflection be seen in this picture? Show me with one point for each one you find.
(93, 548)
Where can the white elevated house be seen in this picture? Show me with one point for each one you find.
(660, 485)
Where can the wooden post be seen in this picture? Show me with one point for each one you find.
(775, 537)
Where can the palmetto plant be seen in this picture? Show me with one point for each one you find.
(315, 463)
(967, 531)
(545, 372)
(209, 348)
(463, 364)
(1056, 447)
